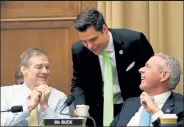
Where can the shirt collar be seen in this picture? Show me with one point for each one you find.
(161, 98)
(110, 46)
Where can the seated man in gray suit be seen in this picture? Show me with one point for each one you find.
(159, 76)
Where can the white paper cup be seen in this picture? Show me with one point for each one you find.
(168, 119)
(82, 110)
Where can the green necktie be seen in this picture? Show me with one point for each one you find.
(108, 111)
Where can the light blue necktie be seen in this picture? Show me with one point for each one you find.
(145, 118)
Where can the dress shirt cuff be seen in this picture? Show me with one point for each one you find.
(26, 112)
(157, 115)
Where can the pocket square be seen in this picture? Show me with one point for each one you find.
(130, 66)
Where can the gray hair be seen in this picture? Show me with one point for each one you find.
(28, 53)
(174, 69)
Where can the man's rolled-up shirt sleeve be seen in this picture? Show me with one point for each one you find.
(11, 119)
(50, 113)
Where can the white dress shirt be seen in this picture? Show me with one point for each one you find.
(18, 95)
(159, 100)
(111, 52)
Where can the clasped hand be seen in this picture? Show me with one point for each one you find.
(148, 103)
(39, 95)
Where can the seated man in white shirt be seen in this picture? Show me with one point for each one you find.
(34, 94)
(159, 76)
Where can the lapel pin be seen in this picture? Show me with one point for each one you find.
(120, 52)
(167, 110)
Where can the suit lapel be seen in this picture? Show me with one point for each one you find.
(120, 54)
(119, 47)
(132, 108)
(119, 50)
(95, 68)
(169, 105)
(129, 112)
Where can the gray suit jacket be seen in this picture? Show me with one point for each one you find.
(173, 105)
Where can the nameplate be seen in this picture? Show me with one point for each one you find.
(70, 121)
(168, 125)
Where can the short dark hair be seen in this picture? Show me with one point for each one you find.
(89, 17)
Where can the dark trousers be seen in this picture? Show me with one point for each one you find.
(97, 113)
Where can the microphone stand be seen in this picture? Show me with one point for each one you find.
(63, 108)
(88, 117)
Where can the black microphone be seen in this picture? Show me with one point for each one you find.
(15, 109)
(68, 102)
(88, 117)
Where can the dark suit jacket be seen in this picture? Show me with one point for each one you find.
(87, 78)
(173, 105)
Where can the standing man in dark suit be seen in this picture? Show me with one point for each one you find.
(160, 75)
(127, 50)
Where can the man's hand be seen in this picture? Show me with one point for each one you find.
(45, 90)
(75, 112)
(34, 100)
(148, 103)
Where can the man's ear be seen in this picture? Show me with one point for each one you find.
(164, 76)
(105, 29)
(23, 70)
